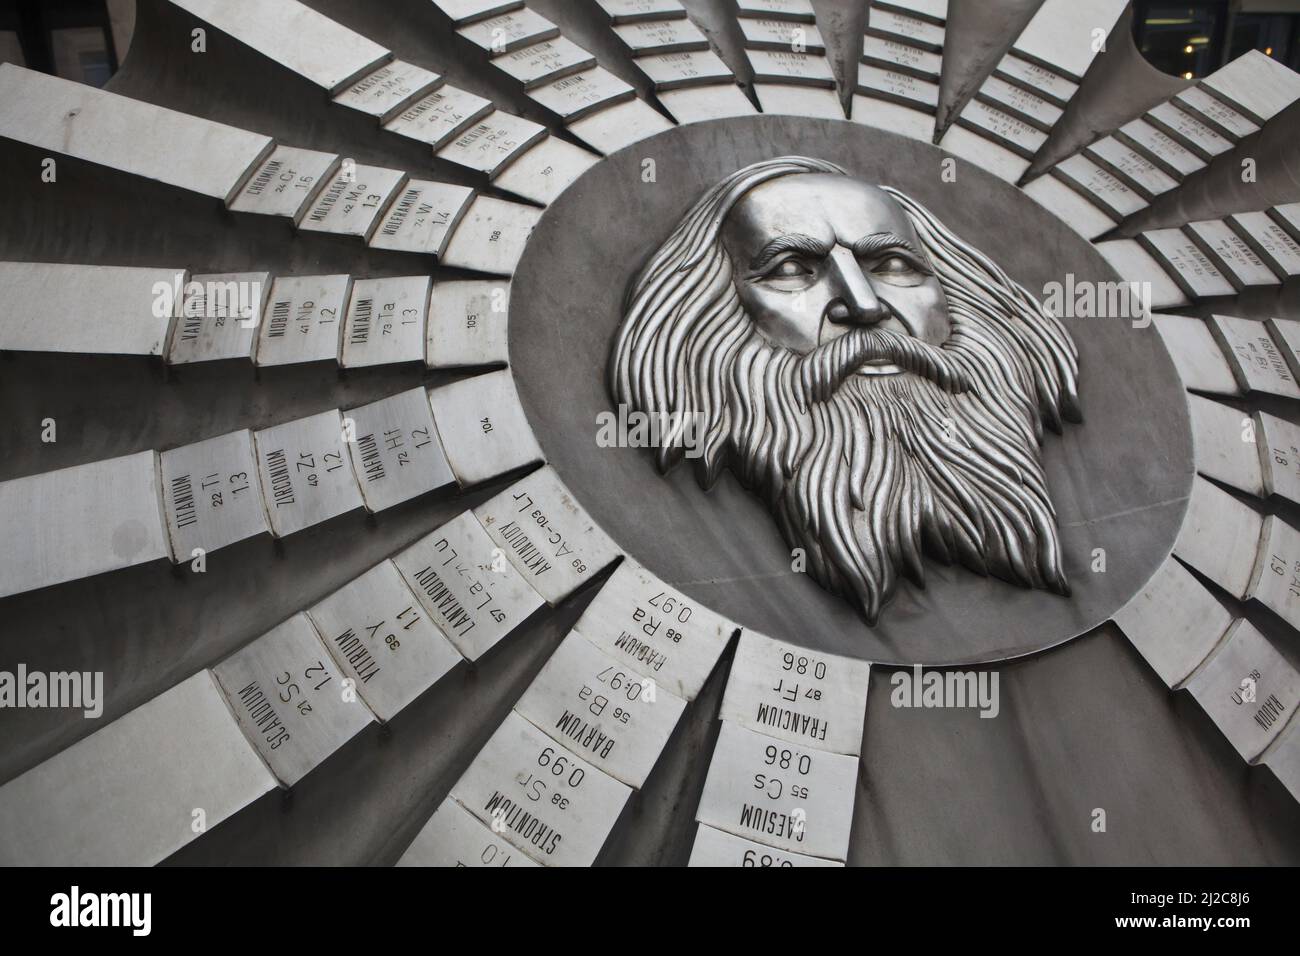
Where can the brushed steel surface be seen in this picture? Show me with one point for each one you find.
(717, 848)
(396, 452)
(211, 495)
(453, 837)
(305, 472)
(422, 217)
(302, 319)
(483, 427)
(467, 323)
(385, 321)
(285, 183)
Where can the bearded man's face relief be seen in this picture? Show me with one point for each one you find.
(881, 384)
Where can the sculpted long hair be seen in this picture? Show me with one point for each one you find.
(864, 473)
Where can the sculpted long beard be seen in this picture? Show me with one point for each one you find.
(867, 473)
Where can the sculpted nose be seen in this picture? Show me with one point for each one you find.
(856, 302)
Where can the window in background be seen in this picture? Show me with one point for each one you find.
(1182, 39)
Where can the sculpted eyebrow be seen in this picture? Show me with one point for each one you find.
(796, 242)
(879, 242)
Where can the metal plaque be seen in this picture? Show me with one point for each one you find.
(674, 71)
(395, 449)
(1287, 216)
(1277, 585)
(1135, 264)
(546, 170)
(1286, 333)
(219, 317)
(382, 640)
(782, 35)
(896, 56)
(1046, 83)
(1127, 164)
(777, 9)
(936, 10)
(488, 145)
(1174, 622)
(1220, 537)
(629, 11)
(543, 62)
(386, 321)
(582, 94)
(602, 711)
(789, 796)
(72, 523)
(1162, 149)
(901, 88)
(790, 98)
(387, 91)
(491, 236)
(1231, 254)
(1060, 35)
(985, 148)
(211, 494)
(470, 591)
(509, 31)
(1081, 211)
(302, 319)
(1200, 361)
(468, 11)
(286, 182)
(554, 806)
(1256, 360)
(45, 305)
(1019, 102)
(1256, 85)
(547, 535)
(1273, 244)
(1220, 117)
(661, 36)
(1186, 264)
(719, 100)
(717, 848)
(908, 29)
(75, 119)
(1016, 135)
(783, 66)
(305, 473)
(290, 700)
(655, 630)
(1228, 448)
(1188, 131)
(1280, 448)
(797, 695)
(483, 427)
(353, 201)
(1099, 186)
(126, 794)
(467, 323)
(1249, 690)
(422, 217)
(454, 837)
(898, 119)
(440, 116)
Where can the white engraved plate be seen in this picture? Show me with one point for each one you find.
(382, 640)
(454, 837)
(468, 11)
(491, 236)
(661, 36)
(790, 796)
(1220, 537)
(573, 97)
(483, 427)
(717, 848)
(797, 695)
(1161, 148)
(1227, 446)
(1220, 117)
(305, 473)
(470, 591)
(302, 319)
(602, 711)
(782, 35)
(547, 535)
(1135, 264)
(1174, 622)
(1200, 361)
(1047, 83)
(1186, 264)
(1286, 333)
(895, 55)
(387, 91)
(488, 145)
(554, 806)
(777, 9)
(719, 99)
(545, 170)
(289, 698)
(1278, 584)
(439, 116)
(74, 119)
(1144, 176)
(352, 202)
(79, 521)
(385, 321)
(1281, 452)
(1082, 213)
(1256, 85)
(422, 217)
(1019, 102)
(936, 10)
(211, 494)
(1098, 186)
(1062, 35)
(467, 323)
(897, 87)
(782, 66)
(674, 71)
(1260, 366)
(1188, 131)
(1287, 216)
(219, 317)
(1274, 246)
(45, 305)
(285, 182)
(655, 630)
(629, 11)
(395, 449)
(1231, 254)
(545, 61)
(990, 122)
(900, 26)
(1248, 689)
(124, 795)
(509, 31)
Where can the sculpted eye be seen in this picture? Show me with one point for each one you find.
(894, 265)
(790, 269)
